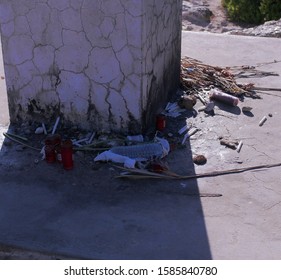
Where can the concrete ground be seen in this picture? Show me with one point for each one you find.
(87, 213)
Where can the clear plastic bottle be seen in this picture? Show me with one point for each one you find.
(158, 149)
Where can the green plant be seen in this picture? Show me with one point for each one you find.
(270, 9)
(246, 11)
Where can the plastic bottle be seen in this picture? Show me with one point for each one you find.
(135, 138)
(147, 151)
(139, 151)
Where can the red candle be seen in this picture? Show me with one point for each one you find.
(160, 122)
(50, 153)
(66, 154)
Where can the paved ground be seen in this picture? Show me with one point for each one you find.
(87, 213)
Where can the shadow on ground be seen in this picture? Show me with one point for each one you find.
(88, 213)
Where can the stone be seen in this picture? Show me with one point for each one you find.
(198, 14)
(199, 159)
(187, 102)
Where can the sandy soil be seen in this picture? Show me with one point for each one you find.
(207, 15)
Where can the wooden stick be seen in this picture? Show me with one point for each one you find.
(267, 89)
(19, 142)
(135, 174)
(16, 136)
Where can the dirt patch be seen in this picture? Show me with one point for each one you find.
(207, 15)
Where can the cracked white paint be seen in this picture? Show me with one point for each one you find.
(104, 63)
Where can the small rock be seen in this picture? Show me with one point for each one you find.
(270, 115)
(199, 160)
(247, 109)
(232, 144)
(39, 130)
(197, 14)
(187, 102)
(209, 107)
(202, 108)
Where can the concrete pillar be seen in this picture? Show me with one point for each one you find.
(105, 64)
(4, 111)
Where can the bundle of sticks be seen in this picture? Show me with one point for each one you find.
(196, 75)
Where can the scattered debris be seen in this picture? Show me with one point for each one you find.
(44, 129)
(201, 98)
(129, 155)
(263, 120)
(251, 71)
(270, 115)
(160, 122)
(209, 107)
(183, 129)
(202, 108)
(173, 110)
(135, 138)
(199, 159)
(144, 174)
(14, 138)
(39, 130)
(266, 89)
(56, 125)
(189, 134)
(193, 131)
(218, 95)
(196, 76)
(141, 158)
(158, 166)
(91, 138)
(239, 146)
(246, 109)
(187, 102)
(232, 144)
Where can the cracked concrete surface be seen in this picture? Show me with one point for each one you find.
(245, 224)
(99, 64)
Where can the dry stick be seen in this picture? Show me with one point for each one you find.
(232, 171)
(196, 176)
(266, 89)
(16, 136)
(194, 194)
(86, 149)
(271, 94)
(19, 142)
